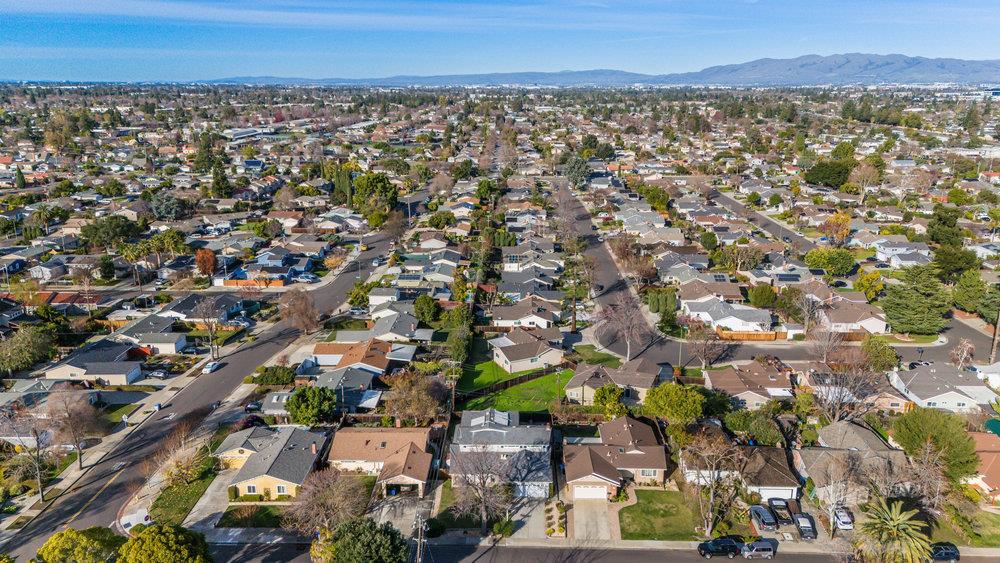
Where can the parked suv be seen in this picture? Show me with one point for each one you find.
(804, 524)
(758, 550)
(719, 546)
(763, 519)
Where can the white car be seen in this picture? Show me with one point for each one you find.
(158, 374)
(843, 519)
(307, 278)
(210, 367)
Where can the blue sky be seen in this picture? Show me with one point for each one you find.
(202, 39)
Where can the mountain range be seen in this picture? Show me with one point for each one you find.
(807, 70)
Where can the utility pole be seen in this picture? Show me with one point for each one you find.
(996, 337)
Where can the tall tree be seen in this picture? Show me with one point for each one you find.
(90, 545)
(715, 488)
(946, 431)
(74, 419)
(890, 533)
(361, 540)
(919, 304)
(326, 499)
(483, 491)
(677, 404)
(165, 543)
(704, 343)
(624, 318)
(299, 308)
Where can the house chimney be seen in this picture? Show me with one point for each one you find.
(312, 448)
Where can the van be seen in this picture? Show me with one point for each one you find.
(763, 519)
(758, 550)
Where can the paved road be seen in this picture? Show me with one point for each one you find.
(260, 553)
(800, 243)
(663, 351)
(106, 487)
(471, 554)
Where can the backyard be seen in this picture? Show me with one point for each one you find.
(532, 396)
(479, 370)
(658, 515)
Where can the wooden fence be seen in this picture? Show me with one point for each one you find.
(750, 336)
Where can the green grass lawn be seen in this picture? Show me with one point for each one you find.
(251, 516)
(447, 515)
(113, 413)
(590, 355)
(480, 370)
(579, 431)
(913, 339)
(346, 324)
(175, 502)
(533, 396)
(658, 515)
(986, 524)
(862, 254)
(65, 461)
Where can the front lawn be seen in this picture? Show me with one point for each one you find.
(536, 395)
(447, 516)
(590, 355)
(251, 516)
(113, 413)
(658, 515)
(346, 324)
(176, 501)
(986, 524)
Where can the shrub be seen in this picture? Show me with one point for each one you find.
(234, 493)
(435, 527)
(561, 530)
(549, 532)
(503, 528)
(274, 375)
(251, 498)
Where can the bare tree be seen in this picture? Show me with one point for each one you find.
(704, 343)
(842, 477)
(74, 419)
(826, 343)
(284, 198)
(579, 271)
(442, 185)
(298, 307)
(715, 463)
(208, 313)
(326, 499)
(962, 354)
(809, 308)
(33, 436)
(624, 316)
(481, 478)
(395, 226)
(844, 392)
(926, 477)
(83, 276)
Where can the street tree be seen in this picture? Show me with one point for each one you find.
(208, 313)
(578, 272)
(879, 354)
(825, 343)
(715, 489)
(704, 343)
(483, 493)
(74, 418)
(961, 355)
(97, 544)
(624, 318)
(299, 308)
(360, 539)
(326, 499)
(165, 543)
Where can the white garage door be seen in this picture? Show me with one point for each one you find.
(777, 492)
(589, 491)
(531, 490)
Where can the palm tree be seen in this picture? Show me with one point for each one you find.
(891, 534)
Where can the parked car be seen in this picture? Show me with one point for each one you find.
(843, 518)
(306, 278)
(210, 367)
(158, 374)
(779, 507)
(252, 406)
(882, 266)
(787, 239)
(241, 322)
(758, 550)
(944, 552)
(719, 546)
(763, 519)
(358, 311)
(805, 526)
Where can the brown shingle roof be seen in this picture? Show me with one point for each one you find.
(374, 444)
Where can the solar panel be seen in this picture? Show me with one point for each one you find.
(788, 277)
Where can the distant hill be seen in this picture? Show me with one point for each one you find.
(807, 70)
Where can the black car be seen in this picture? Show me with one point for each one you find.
(779, 507)
(944, 552)
(719, 546)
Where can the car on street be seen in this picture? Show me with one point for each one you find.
(210, 367)
(779, 507)
(787, 239)
(843, 519)
(805, 526)
(758, 550)
(944, 552)
(358, 311)
(719, 547)
(158, 374)
(763, 519)
(307, 278)
(918, 363)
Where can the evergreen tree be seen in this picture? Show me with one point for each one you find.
(919, 304)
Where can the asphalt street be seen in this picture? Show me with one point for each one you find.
(98, 496)
(799, 242)
(471, 554)
(663, 351)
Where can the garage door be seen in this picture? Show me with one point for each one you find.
(777, 492)
(590, 491)
(531, 490)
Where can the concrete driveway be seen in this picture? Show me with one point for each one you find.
(529, 519)
(401, 511)
(590, 520)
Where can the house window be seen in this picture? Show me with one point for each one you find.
(960, 404)
(647, 472)
(251, 489)
(534, 360)
(932, 404)
(282, 490)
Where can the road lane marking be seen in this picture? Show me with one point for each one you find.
(92, 499)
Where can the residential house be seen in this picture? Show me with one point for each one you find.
(628, 450)
(104, 361)
(635, 378)
(752, 385)
(943, 386)
(397, 456)
(271, 462)
(525, 450)
(987, 477)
